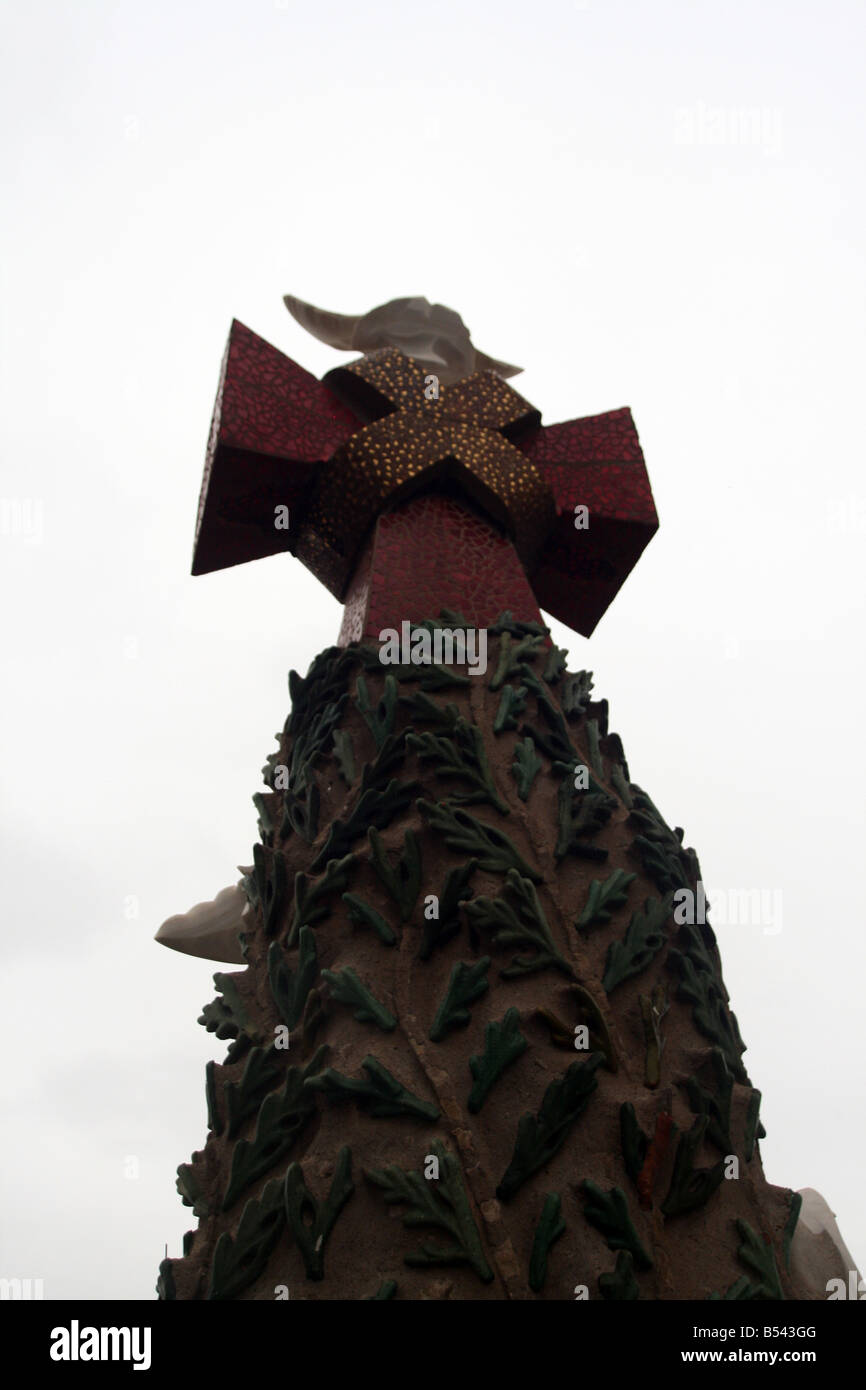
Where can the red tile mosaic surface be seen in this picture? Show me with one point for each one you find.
(341, 453)
(596, 462)
(272, 423)
(432, 553)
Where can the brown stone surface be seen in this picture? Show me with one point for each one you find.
(693, 1254)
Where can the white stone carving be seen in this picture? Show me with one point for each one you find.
(436, 337)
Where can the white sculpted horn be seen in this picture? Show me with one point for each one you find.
(209, 929)
(434, 336)
(483, 363)
(337, 330)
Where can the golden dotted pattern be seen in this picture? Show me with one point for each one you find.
(422, 442)
(397, 378)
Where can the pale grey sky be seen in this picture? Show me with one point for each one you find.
(653, 205)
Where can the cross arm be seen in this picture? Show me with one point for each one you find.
(273, 425)
(595, 462)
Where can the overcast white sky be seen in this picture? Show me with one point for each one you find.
(656, 205)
